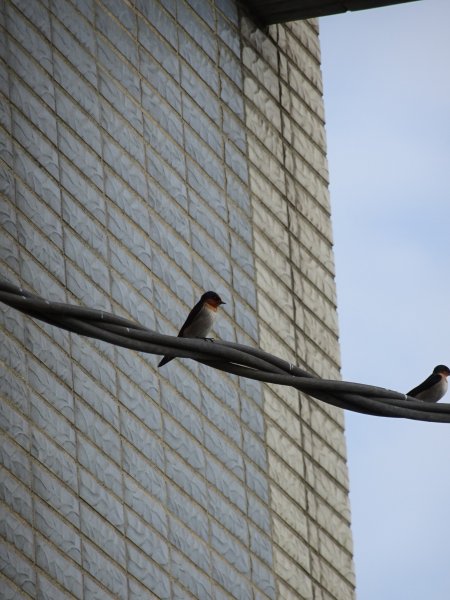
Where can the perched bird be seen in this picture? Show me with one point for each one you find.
(434, 387)
(200, 320)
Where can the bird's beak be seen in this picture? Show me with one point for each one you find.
(222, 302)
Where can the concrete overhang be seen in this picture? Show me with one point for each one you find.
(268, 12)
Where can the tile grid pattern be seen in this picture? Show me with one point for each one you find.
(293, 253)
(123, 154)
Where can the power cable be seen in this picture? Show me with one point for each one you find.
(238, 359)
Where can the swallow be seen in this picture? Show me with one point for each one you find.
(199, 321)
(434, 387)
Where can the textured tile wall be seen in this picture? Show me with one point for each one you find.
(148, 151)
(297, 306)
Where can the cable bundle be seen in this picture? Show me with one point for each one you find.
(230, 357)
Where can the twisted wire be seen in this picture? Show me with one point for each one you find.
(230, 357)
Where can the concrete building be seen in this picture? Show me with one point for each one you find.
(150, 151)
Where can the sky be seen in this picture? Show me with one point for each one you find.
(386, 74)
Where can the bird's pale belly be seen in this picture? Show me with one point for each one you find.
(202, 325)
(435, 393)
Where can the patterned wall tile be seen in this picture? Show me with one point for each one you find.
(151, 150)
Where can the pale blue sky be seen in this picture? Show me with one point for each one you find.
(387, 99)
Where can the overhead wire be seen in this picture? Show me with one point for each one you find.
(230, 357)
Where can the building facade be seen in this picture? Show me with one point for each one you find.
(150, 151)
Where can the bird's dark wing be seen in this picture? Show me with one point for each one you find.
(191, 316)
(425, 385)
